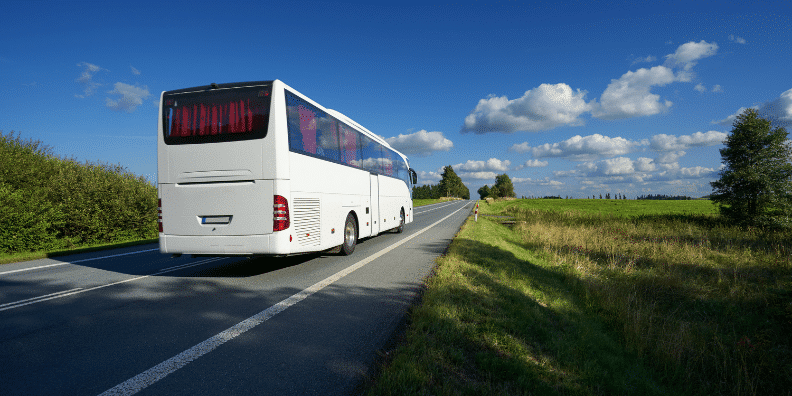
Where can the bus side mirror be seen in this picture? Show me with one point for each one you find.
(413, 176)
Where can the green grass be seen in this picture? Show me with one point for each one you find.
(423, 202)
(616, 207)
(26, 256)
(568, 301)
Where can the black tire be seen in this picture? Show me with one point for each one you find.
(400, 228)
(350, 236)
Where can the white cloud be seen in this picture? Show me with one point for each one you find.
(647, 59)
(663, 142)
(542, 108)
(700, 87)
(477, 175)
(643, 164)
(779, 110)
(669, 157)
(428, 177)
(134, 71)
(583, 147)
(538, 182)
(717, 88)
(736, 39)
(421, 143)
(688, 54)
(86, 79)
(675, 174)
(729, 121)
(535, 163)
(629, 95)
(131, 97)
(492, 164)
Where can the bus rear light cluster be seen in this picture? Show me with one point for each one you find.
(280, 214)
(159, 210)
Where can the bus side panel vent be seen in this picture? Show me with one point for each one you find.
(306, 219)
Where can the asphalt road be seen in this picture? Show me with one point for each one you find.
(133, 320)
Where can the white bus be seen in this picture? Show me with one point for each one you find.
(257, 168)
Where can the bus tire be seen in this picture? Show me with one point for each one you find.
(400, 228)
(350, 235)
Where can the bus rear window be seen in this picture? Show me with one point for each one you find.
(216, 115)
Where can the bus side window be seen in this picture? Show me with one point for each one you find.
(307, 129)
(349, 145)
(293, 116)
(327, 137)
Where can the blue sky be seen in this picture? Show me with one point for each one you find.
(569, 99)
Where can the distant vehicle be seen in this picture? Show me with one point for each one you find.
(257, 168)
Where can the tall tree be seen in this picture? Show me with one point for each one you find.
(451, 185)
(484, 192)
(504, 186)
(755, 186)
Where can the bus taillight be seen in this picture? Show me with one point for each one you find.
(280, 214)
(159, 218)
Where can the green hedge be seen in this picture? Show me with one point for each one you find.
(47, 202)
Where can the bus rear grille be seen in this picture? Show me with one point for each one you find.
(307, 221)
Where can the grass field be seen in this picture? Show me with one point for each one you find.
(602, 297)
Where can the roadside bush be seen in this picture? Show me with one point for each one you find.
(52, 203)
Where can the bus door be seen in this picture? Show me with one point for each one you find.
(375, 225)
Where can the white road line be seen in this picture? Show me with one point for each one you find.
(73, 262)
(162, 370)
(424, 211)
(36, 298)
(79, 290)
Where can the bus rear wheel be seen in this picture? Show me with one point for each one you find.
(400, 228)
(350, 235)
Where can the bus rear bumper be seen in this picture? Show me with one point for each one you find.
(233, 245)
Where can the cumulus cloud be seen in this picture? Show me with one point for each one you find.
(717, 88)
(542, 108)
(492, 164)
(700, 87)
(779, 110)
(582, 147)
(477, 175)
(130, 97)
(630, 96)
(688, 54)
(428, 177)
(663, 142)
(729, 121)
(537, 182)
(736, 39)
(86, 81)
(421, 143)
(535, 164)
(643, 164)
(670, 157)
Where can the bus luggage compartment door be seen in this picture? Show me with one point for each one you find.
(227, 208)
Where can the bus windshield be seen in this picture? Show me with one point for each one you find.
(216, 115)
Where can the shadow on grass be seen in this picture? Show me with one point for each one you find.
(510, 327)
(702, 318)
